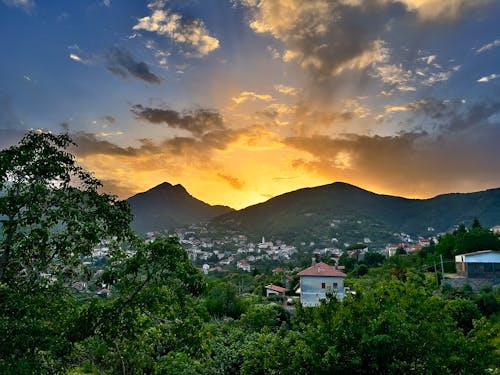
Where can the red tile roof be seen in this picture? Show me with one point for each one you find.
(322, 269)
(276, 288)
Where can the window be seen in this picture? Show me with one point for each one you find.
(323, 285)
(335, 285)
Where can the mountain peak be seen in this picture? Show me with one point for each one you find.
(162, 186)
(167, 206)
(167, 186)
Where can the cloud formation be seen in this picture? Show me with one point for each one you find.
(434, 159)
(123, 64)
(251, 96)
(286, 90)
(437, 10)
(489, 46)
(190, 32)
(198, 121)
(488, 78)
(325, 37)
(24, 4)
(234, 182)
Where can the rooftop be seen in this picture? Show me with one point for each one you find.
(322, 269)
(276, 288)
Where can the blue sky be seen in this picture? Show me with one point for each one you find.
(242, 100)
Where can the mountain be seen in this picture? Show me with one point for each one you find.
(168, 206)
(344, 211)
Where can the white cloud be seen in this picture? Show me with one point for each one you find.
(25, 4)
(286, 90)
(489, 46)
(250, 95)
(436, 10)
(172, 25)
(429, 59)
(488, 78)
(75, 57)
(79, 56)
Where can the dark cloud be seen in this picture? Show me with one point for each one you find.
(325, 36)
(233, 181)
(110, 119)
(453, 115)
(116, 187)
(90, 144)
(123, 64)
(198, 121)
(409, 163)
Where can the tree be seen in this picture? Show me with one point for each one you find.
(348, 262)
(223, 300)
(51, 214)
(373, 259)
(51, 211)
(153, 322)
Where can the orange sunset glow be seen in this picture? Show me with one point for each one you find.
(240, 101)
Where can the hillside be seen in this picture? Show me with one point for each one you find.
(169, 206)
(340, 210)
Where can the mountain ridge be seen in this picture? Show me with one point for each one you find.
(324, 211)
(313, 212)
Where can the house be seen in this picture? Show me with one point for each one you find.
(243, 265)
(274, 290)
(318, 280)
(496, 229)
(479, 265)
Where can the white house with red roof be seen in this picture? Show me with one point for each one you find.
(318, 280)
(274, 290)
(243, 265)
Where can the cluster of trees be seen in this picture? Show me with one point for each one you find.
(165, 317)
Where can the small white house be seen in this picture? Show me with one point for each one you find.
(480, 265)
(319, 279)
(274, 290)
(243, 265)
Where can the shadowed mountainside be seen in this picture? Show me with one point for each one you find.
(169, 206)
(339, 207)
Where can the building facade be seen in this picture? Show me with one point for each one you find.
(480, 265)
(319, 280)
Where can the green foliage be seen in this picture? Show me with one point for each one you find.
(348, 262)
(464, 241)
(360, 270)
(51, 212)
(51, 215)
(222, 300)
(373, 259)
(488, 302)
(464, 312)
(259, 316)
(153, 323)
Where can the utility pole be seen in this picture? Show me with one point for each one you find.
(436, 273)
(442, 266)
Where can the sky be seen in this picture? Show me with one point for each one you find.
(243, 100)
